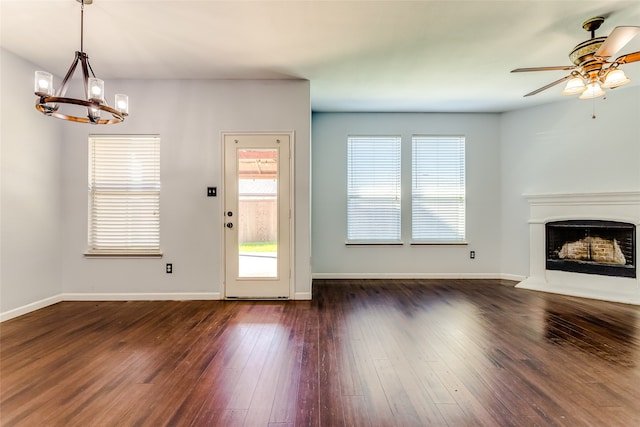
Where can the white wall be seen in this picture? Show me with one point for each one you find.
(332, 258)
(555, 148)
(30, 206)
(189, 116)
(560, 148)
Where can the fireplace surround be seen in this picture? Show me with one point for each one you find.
(613, 280)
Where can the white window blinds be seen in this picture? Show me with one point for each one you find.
(373, 189)
(124, 195)
(438, 189)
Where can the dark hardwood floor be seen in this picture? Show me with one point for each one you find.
(363, 352)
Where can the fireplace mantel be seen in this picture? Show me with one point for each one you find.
(612, 206)
(625, 197)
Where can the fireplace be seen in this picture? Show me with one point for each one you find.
(591, 247)
(567, 230)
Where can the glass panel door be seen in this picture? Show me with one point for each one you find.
(257, 216)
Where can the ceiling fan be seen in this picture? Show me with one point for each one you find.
(592, 69)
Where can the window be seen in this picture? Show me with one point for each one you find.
(373, 189)
(124, 195)
(438, 189)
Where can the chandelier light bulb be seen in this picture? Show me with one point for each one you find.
(122, 103)
(94, 113)
(43, 83)
(96, 89)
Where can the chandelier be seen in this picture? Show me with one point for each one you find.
(50, 104)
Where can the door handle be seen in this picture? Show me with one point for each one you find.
(229, 225)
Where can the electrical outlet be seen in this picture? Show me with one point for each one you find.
(472, 254)
(169, 268)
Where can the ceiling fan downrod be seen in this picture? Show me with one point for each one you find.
(593, 24)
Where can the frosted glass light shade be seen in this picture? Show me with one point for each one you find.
(593, 90)
(615, 78)
(95, 90)
(94, 113)
(574, 86)
(43, 83)
(122, 103)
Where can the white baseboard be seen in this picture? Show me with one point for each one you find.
(28, 308)
(630, 295)
(514, 277)
(338, 276)
(169, 296)
(302, 296)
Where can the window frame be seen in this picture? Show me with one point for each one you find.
(354, 237)
(460, 192)
(112, 187)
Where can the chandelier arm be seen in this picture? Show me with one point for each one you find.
(65, 82)
(117, 116)
(85, 72)
(90, 69)
(85, 119)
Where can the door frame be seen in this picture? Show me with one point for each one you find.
(222, 217)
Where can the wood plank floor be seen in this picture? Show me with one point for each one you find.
(362, 353)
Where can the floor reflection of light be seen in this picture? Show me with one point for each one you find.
(572, 322)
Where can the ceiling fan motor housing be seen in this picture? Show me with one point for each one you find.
(585, 50)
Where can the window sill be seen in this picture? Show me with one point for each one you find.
(439, 243)
(374, 243)
(123, 255)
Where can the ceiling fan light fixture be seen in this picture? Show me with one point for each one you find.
(593, 90)
(615, 78)
(574, 86)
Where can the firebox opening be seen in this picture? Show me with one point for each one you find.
(592, 247)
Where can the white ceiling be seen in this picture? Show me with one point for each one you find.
(446, 56)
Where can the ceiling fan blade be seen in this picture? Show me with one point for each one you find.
(629, 57)
(560, 68)
(619, 37)
(549, 85)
